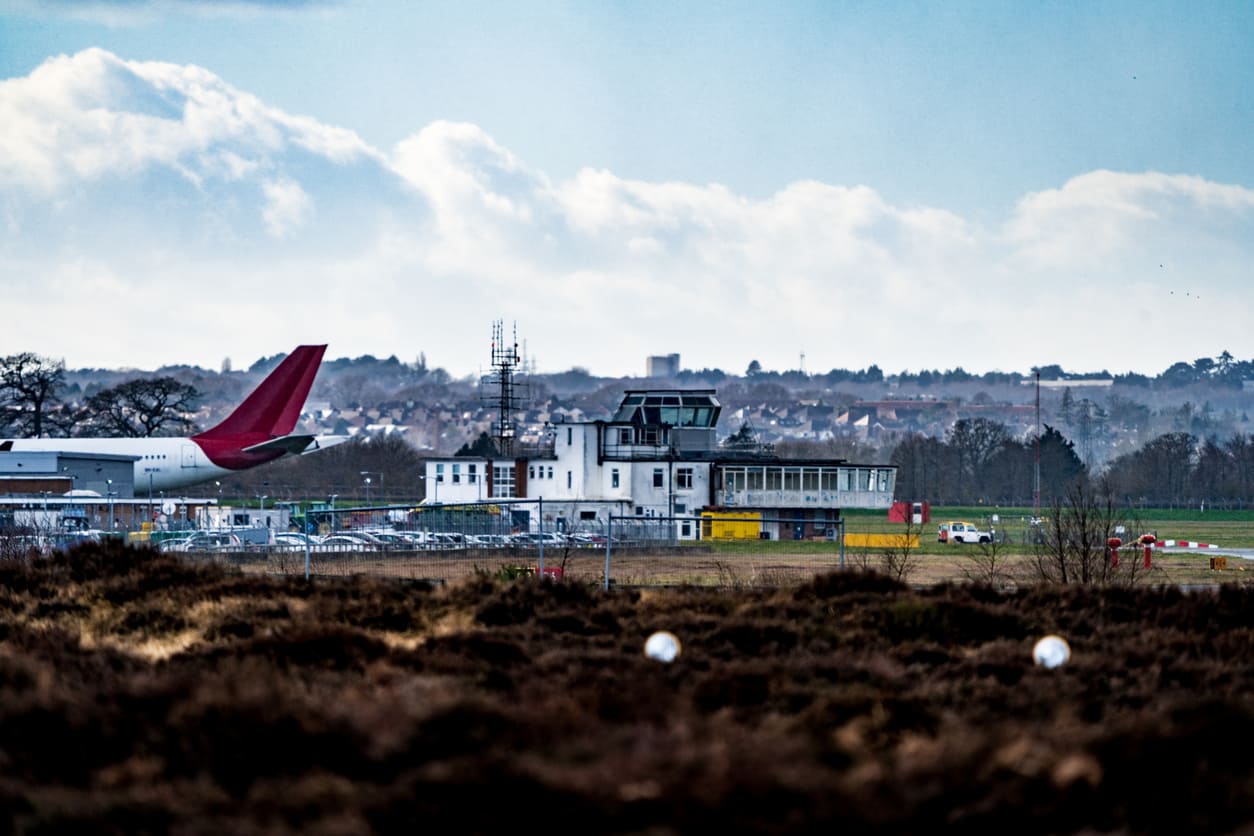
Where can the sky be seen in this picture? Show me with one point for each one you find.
(811, 185)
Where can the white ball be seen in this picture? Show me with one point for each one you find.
(662, 646)
(1051, 651)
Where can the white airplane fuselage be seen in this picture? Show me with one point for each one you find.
(161, 464)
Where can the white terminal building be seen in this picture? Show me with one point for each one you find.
(659, 458)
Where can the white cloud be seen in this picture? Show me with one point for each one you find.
(1095, 216)
(287, 207)
(92, 115)
(149, 182)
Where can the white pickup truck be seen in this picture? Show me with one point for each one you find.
(963, 532)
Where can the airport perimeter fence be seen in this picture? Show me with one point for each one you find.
(448, 545)
(442, 544)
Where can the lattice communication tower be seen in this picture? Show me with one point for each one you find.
(503, 388)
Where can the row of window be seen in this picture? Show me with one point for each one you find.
(775, 478)
(735, 478)
(472, 473)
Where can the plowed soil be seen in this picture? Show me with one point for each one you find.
(143, 693)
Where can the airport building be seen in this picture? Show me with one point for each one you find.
(658, 458)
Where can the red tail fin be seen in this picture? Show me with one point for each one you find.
(274, 406)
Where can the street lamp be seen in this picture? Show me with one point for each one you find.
(109, 483)
(366, 476)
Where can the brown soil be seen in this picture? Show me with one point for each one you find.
(146, 694)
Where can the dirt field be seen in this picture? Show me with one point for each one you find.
(777, 564)
(144, 693)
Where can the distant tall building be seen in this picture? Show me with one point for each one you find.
(662, 365)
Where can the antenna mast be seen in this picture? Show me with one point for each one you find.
(505, 362)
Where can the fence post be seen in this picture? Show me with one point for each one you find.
(540, 511)
(840, 535)
(609, 544)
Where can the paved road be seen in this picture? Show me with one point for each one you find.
(1244, 554)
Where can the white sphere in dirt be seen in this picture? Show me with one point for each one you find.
(1051, 651)
(662, 646)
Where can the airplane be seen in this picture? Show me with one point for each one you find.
(258, 431)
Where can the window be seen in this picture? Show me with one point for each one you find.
(614, 478)
(531, 471)
(503, 480)
(570, 436)
(639, 511)
(683, 478)
(550, 472)
(659, 477)
(651, 435)
(570, 478)
(457, 474)
(681, 508)
(624, 435)
(470, 473)
(439, 473)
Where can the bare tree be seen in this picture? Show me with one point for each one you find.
(29, 385)
(1075, 534)
(900, 558)
(143, 408)
(988, 563)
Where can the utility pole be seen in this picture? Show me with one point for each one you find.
(1036, 465)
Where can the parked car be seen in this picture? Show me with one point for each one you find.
(394, 539)
(203, 541)
(963, 532)
(345, 542)
(296, 541)
(550, 539)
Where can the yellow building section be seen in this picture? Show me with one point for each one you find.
(882, 541)
(725, 525)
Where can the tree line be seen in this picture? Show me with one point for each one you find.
(32, 403)
(979, 462)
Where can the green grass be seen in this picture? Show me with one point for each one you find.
(1233, 529)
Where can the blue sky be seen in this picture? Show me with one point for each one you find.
(916, 185)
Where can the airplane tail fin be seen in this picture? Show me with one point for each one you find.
(273, 408)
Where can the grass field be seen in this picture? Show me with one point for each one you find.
(937, 562)
(1233, 529)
